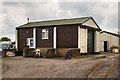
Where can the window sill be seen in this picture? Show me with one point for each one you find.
(31, 47)
(44, 38)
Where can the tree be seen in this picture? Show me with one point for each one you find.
(5, 39)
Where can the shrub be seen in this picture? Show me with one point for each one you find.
(72, 53)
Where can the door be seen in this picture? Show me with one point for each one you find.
(105, 46)
(90, 41)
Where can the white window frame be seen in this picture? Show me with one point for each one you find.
(46, 33)
(28, 42)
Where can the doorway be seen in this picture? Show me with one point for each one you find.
(90, 41)
(105, 46)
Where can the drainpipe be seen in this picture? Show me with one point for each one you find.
(28, 20)
(119, 38)
(16, 39)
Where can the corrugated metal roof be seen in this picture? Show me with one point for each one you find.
(55, 22)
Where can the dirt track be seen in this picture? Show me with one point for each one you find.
(47, 68)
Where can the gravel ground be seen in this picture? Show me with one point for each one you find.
(109, 68)
(19, 67)
(115, 70)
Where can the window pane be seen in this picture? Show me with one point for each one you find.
(27, 41)
(31, 42)
(47, 34)
(44, 33)
(43, 30)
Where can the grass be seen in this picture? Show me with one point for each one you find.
(84, 56)
(99, 57)
(6, 58)
(11, 58)
(94, 56)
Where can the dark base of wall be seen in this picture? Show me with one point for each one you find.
(96, 52)
(18, 53)
(81, 54)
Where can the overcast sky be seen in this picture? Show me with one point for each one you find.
(14, 14)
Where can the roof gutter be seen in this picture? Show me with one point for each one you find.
(48, 26)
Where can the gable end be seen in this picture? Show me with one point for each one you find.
(91, 23)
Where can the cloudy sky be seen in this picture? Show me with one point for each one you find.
(14, 14)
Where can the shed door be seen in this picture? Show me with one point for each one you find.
(90, 41)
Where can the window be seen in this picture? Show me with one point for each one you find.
(44, 33)
(27, 41)
(30, 42)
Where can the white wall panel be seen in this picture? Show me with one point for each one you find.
(90, 23)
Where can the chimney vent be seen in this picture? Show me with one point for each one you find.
(27, 20)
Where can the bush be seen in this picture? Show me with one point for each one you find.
(72, 53)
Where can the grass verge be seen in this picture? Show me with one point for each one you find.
(11, 58)
(84, 56)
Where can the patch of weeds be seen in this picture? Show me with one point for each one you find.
(84, 56)
(6, 58)
(99, 57)
(11, 58)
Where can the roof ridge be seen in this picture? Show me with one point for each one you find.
(59, 19)
(115, 34)
(69, 21)
(109, 32)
